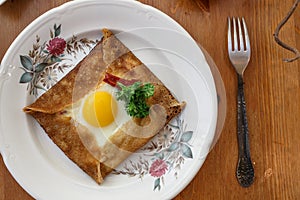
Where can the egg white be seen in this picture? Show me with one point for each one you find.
(102, 133)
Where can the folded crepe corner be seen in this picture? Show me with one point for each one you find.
(109, 55)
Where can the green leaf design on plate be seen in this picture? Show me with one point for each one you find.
(186, 136)
(40, 67)
(173, 147)
(57, 30)
(55, 59)
(186, 151)
(159, 155)
(26, 77)
(26, 62)
(157, 184)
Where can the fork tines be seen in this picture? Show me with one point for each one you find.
(238, 42)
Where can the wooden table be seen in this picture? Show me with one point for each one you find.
(271, 86)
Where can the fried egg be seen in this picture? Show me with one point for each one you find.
(101, 113)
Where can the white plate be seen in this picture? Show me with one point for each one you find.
(163, 45)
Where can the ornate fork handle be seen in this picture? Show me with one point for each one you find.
(245, 171)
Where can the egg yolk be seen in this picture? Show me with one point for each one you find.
(99, 109)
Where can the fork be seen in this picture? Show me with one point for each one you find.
(239, 54)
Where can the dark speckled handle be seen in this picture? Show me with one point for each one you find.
(245, 170)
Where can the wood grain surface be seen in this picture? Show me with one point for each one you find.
(272, 93)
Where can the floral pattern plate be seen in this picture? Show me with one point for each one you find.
(51, 46)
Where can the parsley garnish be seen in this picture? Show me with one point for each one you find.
(135, 96)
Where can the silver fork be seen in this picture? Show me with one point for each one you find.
(239, 55)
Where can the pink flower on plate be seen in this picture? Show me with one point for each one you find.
(56, 46)
(158, 168)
